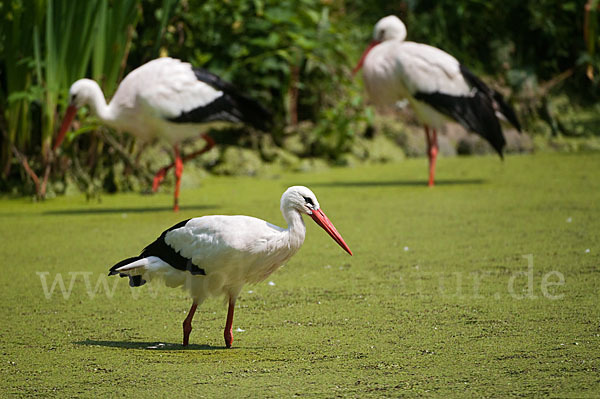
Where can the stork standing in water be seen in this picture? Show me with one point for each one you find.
(436, 85)
(167, 99)
(217, 255)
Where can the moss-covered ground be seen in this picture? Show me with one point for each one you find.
(486, 285)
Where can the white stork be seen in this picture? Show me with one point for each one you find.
(436, 85)
(217, 255)
(170, 100)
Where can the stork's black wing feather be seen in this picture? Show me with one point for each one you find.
(168, 254)
(474, 113)
(162, 250)
(498, 100)
(477, 111)
(232, 106)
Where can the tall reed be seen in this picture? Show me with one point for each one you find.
(46, 46)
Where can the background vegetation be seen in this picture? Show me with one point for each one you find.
(294, 56)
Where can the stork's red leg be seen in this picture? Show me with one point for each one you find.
(210, 143)
(433, 154)
(187, 324)
(160, 175)
(178, 173)
(228, 333)
(432, 151)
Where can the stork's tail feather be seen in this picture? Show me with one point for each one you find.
(507, 111)
(123, 270)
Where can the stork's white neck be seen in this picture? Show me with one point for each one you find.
(98, 106)
(296, 230)
(88, 92)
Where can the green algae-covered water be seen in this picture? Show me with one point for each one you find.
(486, 285)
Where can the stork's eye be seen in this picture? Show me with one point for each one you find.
(309, 201)
(381, 34)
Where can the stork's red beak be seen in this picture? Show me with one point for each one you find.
(323, 221)
(364, 55)
(71, 111)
